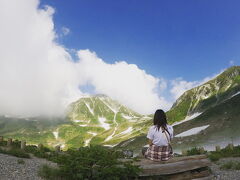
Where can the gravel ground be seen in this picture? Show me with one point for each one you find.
(11, 169)
(225, 174)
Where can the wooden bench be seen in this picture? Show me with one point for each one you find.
(180, 168)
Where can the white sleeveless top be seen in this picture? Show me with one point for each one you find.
(158, 137)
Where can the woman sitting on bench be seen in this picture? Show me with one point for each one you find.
(159, 135)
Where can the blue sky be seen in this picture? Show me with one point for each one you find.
(170, 39)
(142, 53)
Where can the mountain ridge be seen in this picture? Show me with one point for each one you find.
(208, 94)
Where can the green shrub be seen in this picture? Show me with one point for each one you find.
(43, 152)
(16, 144)
(231, 165)
(225, 152)
(196, 151)
(15, 152)
(48, 172)
(214, 157)
(94, 162)
(228, 165)
(31, 148)
(3, 143)
(237, 166)
(20, 161)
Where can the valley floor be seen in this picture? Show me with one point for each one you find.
(13, 168)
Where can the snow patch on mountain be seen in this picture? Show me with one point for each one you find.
(188, 118)
(228, 85)
(83, 125)
(126, 116)
(115, 129)
(55, 133)
(77, 120)
(129, 130)
(127, 142)
(104, 102)
(87, 141)
(108, 145)
(234, 95)
(89, 108)
(192, 131)
(92, 133)
(102, 120)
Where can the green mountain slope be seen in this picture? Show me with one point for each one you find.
(206, 95)
(103, 120)
(222, 124)
(223, 121)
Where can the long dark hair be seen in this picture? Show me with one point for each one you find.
(160, 119)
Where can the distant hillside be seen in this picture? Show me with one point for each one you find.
(33, 130)
(90, 120)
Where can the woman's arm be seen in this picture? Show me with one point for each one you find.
(150, 142)
(150, 136)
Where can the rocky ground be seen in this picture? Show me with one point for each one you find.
(13, 168)
(220, 174)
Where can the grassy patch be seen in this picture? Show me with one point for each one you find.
(226, 152)
(231, 165)
(196, 151)
(20, 161)
(237, 166)
(3, 143)
(48, 172)
(43, 152)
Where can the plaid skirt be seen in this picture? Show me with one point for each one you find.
(159, 153)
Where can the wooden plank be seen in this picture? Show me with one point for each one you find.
(173, 168)
(195, 157)
(187, 175)
(174, 159)
(205, 178)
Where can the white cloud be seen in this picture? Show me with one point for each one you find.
(65, 31)
(122, 81)
(179, 85)
(38, 76)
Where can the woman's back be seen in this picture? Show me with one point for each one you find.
(160, 137)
